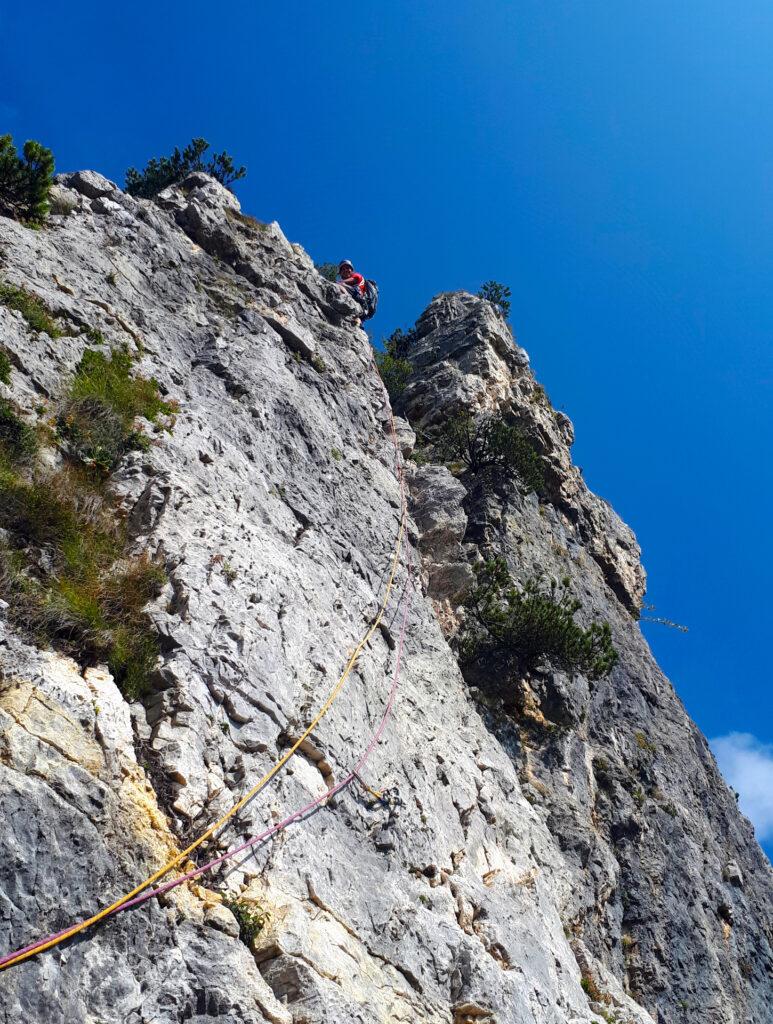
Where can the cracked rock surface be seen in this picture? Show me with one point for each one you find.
(507, 864)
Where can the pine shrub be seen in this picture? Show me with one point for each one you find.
(517, 627)
(490, 445)
(399, 342)
(328, 270)
(394, 374)
(392, 364)
(25, 181)
(160, 172)
(498, 294)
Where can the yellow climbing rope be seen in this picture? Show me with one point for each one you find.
(377, 794)
(83, 925)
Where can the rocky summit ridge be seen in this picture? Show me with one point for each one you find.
(563, 852)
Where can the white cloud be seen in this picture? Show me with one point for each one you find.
(747, 765)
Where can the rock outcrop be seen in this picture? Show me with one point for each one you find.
(624, 780)
(571, 855)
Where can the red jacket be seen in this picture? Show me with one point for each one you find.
(355, 280)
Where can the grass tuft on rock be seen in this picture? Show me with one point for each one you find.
(252, 919)
(5, 367)
(64, 571)
(591, 989)
(66, 579)
(18, 440)
(105, 398)
(31, 308)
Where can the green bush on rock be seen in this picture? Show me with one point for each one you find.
(18, 440)
(66, 579)
(97, 419)
(252, 919)
(64, 571)
(160, 172)
(516, 627)
(490, 445)
(25, 181)
(392, 364)
(394, 374)
(399, 342)
(328, 270)
(498, 294)
(30, 307)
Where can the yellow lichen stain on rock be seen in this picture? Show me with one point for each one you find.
(150, 827)
(488, 878)
(531, 707)
(46, 720)
(471, 1013)
(143, 815)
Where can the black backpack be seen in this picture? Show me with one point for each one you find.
(370, 299)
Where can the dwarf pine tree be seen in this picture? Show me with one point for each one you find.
(25, 180)
(160, 172)
(328, 270)
(518, 626)
(490, 445)
(392, 364)
(498, 294)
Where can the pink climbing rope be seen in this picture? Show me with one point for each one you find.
(301, 812)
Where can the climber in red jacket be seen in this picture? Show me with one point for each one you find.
(363, 292)
(349, 279)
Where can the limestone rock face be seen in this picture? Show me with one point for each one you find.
(506, 876)
(466, 361)
(626, 783)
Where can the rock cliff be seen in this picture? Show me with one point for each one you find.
(564, 851)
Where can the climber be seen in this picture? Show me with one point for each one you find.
(362, 291)
(349, 279)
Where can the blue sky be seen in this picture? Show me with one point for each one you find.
(613, 163)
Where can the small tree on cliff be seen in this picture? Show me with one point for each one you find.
(328, 270)
(394, 368)
(394, 373)
(498, 294)
(163, 171)
(25, 180)
(517, 626)
(490, 445)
